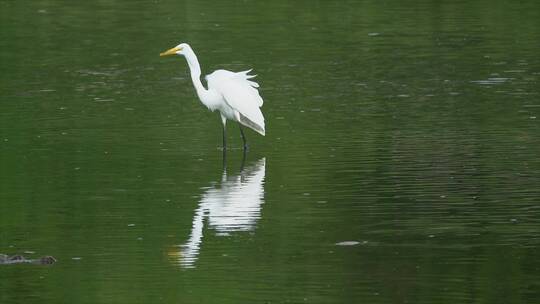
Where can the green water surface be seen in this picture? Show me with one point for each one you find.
(400, 163)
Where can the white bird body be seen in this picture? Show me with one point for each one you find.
(233, 94)
(240, 99)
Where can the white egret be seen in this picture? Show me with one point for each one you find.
(231, 93)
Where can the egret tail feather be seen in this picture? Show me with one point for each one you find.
(250, 124)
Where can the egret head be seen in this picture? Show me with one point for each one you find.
(180, 49)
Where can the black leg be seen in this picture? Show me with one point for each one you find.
(243, 161)
(242, 172)
(224, 160)
(243, 138)
(224, 138)
(224, 149)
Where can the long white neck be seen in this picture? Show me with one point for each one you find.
(195, 70)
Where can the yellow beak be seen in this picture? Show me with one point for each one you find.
(170, 52)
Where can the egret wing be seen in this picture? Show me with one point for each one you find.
(242, 95)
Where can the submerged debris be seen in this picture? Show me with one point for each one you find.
(347, 243)
(19, 259)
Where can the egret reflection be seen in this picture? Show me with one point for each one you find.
(231, 206)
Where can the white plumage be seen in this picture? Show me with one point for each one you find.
(233, 94)
(241, 95)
